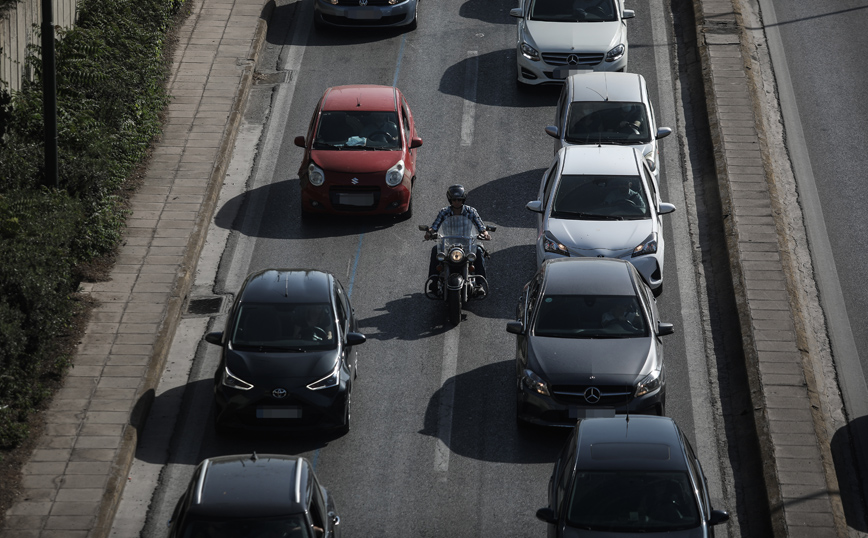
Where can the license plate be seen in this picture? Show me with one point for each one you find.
(584, 412)
(356, 199)
(363, 14)
(278, 412)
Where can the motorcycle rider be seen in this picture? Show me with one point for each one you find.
(456, 195)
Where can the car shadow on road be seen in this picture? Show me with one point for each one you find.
(852, 472)
(482, 426)
(494, 73)
(508, 211)
(487, 11)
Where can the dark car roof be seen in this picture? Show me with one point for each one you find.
(587, 276)
(620, 443)
(360, 97)
(250, 486)
(287, 286)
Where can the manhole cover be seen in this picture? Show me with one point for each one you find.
(210, 305)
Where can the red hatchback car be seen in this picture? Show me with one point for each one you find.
(359, 153)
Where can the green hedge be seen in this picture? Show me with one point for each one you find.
(110, 93)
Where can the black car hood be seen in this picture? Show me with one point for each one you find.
(287, 368)
(572, 360)
(697, 532)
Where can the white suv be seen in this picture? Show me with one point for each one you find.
(555, 37)
(608, 109)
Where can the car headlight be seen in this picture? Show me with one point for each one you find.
(456, 255)
(229, 380)
(315, 175)
(395, 175)
(551, 244)
(393, 2)
(649, 383)
(529, 52)
(649, 158)
(648, 246)
(330, 380)
(534, 382)
(616, 53)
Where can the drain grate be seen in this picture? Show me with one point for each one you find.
(210, 305)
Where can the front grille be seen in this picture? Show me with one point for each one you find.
(610, 395)
(343, 21)
(562, 58)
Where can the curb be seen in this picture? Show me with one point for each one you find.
(183, 283)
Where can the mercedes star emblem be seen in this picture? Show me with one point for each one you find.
(573, 59)
(281, 393)
(592, 395)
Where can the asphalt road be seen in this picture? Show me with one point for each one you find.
(434, 449)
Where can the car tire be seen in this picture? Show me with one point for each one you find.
(345, 429)
(661, 409)
(658, 291)
(407, 215)
(413, 25)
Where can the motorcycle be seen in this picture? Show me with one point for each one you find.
(456, 283)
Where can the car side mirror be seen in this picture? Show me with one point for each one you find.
(718, 516)
(552, 131)
(215, 338)
(354, 339)
(664, 328)
(299, 141)
(535, 206)
(516, 12)
(515, 327)
(665, 208)
(415, 142)
(547, 515)
(628, 14)
(663, 132)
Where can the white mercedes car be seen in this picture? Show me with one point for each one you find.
(556, 37)
(601, 201)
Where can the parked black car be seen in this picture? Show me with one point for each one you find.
(628, 476)
(254, 496)
(289, 357)
(588, 343)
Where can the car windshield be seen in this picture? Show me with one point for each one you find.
(284, 327)
(595, 197)
(573, 11)
(590, 316)
(357, 130)
(607, 122)
(632, 501)
(284, 527)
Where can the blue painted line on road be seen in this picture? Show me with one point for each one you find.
(400, 57)
(355, 266)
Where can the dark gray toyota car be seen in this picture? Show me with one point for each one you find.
(289, 357)
(629, 476)
(587, 343)
(255, 496)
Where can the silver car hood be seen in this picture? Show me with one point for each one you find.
(574, 36)
(609, 238)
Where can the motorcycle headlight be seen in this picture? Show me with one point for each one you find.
(616, 53)
(529, 52)
(456, 255)
(534, 382)
(551, 244)
(648, 246)
(330, 380)
(649, 383)
(229, 380)
(395, 175)
(441, 256)
(315, 175)
(649, 158)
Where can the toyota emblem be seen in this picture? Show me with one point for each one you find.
(592, 395)
(281, 393)
(355, 180)
(573, 59)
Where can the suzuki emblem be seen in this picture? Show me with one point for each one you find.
(593, 395)
(279, 393)
(355, 180)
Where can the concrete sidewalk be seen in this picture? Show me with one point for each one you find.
(73, 482)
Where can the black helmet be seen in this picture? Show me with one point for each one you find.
(456, 192)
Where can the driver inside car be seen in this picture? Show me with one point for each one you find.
(312, 322)
(623, 192)
(378, 126)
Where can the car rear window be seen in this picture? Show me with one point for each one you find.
(596, 197)
(590, 316)
(591, 122)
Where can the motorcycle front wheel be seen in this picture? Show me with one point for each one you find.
(453, 304)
